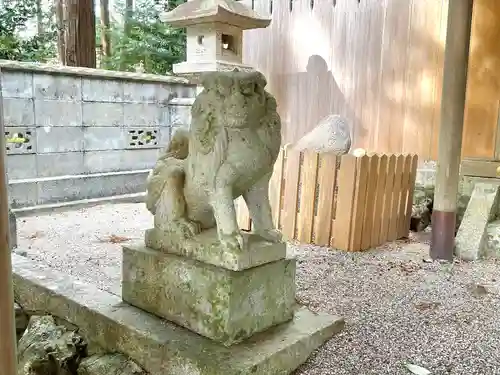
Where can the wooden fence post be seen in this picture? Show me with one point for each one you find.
(7, 316)
(327, 174)
(276, 188)
(242, 214)
(292, 174)
(409, 202)
(396, 198)
(308, 179)
(369, 211)
(405, 191)
(386, 212)
(379, 200)
(345, 202)
(359, 203)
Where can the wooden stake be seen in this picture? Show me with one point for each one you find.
(7, 317)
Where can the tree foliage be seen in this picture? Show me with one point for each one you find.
(148, 41)
(15, 16)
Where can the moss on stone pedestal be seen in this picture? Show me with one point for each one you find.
(205, 247)
(223, 305)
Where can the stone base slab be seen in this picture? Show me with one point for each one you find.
(206, 248)
(223, 305)
(161, 347)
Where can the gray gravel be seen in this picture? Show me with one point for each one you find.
(399, 308)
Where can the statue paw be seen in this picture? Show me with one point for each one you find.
(187, 228)
(232, 242)
(271, 235)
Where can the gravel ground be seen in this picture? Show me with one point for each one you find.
(399, 307)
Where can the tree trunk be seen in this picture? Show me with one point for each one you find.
(86, 34)
(70, 32)
(61, 27)
(80, 33)
(105, 42)
(39, 17)
(129, 10)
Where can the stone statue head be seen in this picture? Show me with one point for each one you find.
(236, 98)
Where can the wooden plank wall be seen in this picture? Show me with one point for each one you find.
(481, 136)
(378, 62)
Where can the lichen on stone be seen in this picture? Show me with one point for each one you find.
(109, 364)
(49, 349)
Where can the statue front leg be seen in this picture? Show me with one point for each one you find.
(257, 200)
(228, 230)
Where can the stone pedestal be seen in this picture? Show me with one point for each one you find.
(224, 305)
(242, 304)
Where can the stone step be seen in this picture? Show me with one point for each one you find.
(72, 205)
(55, 190)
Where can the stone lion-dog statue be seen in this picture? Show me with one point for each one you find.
(229, 151)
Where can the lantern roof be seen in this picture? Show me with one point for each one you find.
(230, 12)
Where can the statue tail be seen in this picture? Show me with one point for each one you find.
(169, 163)
(178, 147)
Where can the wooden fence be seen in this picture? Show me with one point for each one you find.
(350, 203)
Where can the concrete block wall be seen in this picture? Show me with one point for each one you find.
(74, 134)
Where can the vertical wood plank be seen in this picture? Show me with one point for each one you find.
(243, 215)
(386, 212)
(345, 202)
(370, 213)
(327, 172)
(405, 190)
(276, 188)
(481, 114)
(396, 197)
(292, 174)
(379, 200)
(409, 202)
(335, 201)
(359, 203)
(305, 219)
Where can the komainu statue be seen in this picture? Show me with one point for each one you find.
(229, 151)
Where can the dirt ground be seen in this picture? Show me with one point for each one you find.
(400, 308)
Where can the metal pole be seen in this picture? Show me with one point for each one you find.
(7, 316)
(456, 60)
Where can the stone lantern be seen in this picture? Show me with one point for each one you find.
(214, 31)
